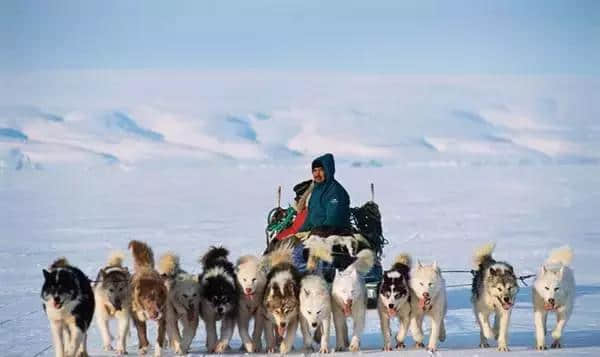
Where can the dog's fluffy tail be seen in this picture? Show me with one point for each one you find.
(403, 259)
(213, 255)
(283, 254)
(483, 254)
(115, 259)
(247, 259)
(562, 255)
(319, 249)
(364, 261)
(59, 263)
(168, 264)
(143, 258)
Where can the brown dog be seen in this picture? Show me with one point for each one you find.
(149, 296)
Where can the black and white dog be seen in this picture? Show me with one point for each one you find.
(394, 301)
(219, 298)
(68, 301)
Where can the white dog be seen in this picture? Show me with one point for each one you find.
(428, 298)
(349, 299)
(183, 303)
(554, 291)
(251, 279)
(315, 311)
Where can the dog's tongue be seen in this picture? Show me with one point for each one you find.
(424, 303)
(347, 309)
(506, 306)
(548, 307)
(391, 312)
(250, 296)
(281, 331)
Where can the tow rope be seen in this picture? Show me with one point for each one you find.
(521, 278)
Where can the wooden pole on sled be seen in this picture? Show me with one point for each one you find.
(372, 192)
(279, 196)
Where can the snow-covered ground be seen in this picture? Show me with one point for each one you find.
(439, 213)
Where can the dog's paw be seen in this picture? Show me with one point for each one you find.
(541, 347)
(120, 351)
(503, 347)
(178, 350)
(556, 344)
(83, 354)
(271, 350)
(431, 349)
(484, 345)
(355, 344)
(400, 346)
(107, 348)
(143, 351)
(249, 347)
(284, 348)
(221, 347)
(340, 348)
(387, 347)
(158, 352)
(419, 345)
(324, 349)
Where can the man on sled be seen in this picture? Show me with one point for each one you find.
(323, 204)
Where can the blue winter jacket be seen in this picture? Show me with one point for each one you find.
(329, 203)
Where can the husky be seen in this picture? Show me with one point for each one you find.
(149, 296)
(394, 301)
(251, 280)
(315, 312)
(68, 300)
(113, 301)
(553, 291)
(219, 299)
(494, 290)
(281, 300)
(183, 302)
(349, 299)
(428, 298)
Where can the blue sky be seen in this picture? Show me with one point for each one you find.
(421, 37)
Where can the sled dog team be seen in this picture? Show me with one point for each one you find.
(273, 294)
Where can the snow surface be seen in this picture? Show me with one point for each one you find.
(439, 213)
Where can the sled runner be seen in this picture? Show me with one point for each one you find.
(325, 249)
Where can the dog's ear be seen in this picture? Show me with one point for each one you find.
(544, 269)
(419, 264)
(354, 273)
(435, 265)
(493, 271)
(306, 292)
(337, 272)
(46, 274)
